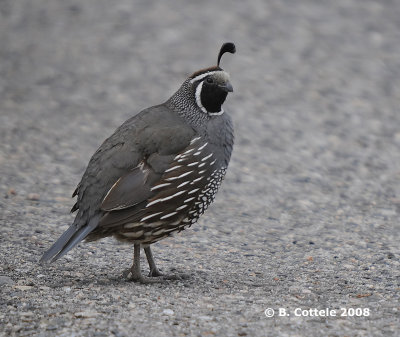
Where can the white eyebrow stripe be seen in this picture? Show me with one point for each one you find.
(205, 158)
(165, 199)
(200, 77)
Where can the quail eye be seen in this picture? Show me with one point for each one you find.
(209, 80)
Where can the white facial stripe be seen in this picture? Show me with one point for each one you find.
(198, 91)
(198, 98)
(200, 77)
(216, 113)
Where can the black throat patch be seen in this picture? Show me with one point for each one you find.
(212, 97)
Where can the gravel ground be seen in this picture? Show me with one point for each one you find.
(308, 216)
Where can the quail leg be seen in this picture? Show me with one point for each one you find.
(136, 274)
(154, 272)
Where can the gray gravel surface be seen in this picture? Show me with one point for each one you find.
(308, 216)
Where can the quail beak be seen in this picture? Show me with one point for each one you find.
(227, 86)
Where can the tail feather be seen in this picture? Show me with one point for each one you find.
(71, 237)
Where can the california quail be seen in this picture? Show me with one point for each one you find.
(158, 172)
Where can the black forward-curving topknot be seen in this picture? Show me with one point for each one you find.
(227, 47)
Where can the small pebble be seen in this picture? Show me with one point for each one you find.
(23, 288)
(11, 191)
(168, 312)
(86, 314)
(6, 280)
(33, 196)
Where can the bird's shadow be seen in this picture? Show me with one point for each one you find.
(118, 279)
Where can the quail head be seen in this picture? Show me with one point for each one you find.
(158, 172)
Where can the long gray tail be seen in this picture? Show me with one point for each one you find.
(71, 237)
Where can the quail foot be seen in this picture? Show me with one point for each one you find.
(158, 172)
